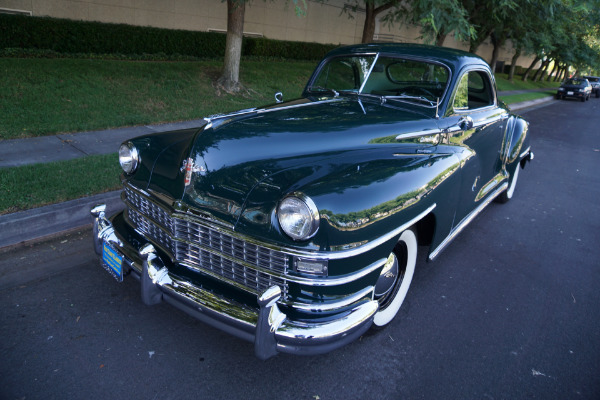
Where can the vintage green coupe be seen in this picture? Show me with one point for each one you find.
(296, 225)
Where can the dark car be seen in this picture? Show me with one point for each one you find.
(579, 88)
(296, 226)
(595, 82)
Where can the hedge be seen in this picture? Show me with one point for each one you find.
(83, 37)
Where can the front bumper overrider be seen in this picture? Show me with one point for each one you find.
(270, 329)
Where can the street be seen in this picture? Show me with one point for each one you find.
(509, 310)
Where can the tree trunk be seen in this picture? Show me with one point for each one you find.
(513, 64)
(496, 43)
(369, 27)
(563, 73)
(538, 73)
(553, 71)
(230, 80)
(371, 14)
(544, 71)
(440, 38)
(561, 68)
(526, 74)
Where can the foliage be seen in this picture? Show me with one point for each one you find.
(436, 18)
(62, 36)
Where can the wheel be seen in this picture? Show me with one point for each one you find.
(508, 193)
(583, 99)
(395, 278)
(597, 93)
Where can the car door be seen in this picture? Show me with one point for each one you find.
(475, 126)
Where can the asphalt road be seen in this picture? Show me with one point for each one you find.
(510, 310)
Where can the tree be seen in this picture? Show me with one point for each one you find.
(437, 18)
(230, 79)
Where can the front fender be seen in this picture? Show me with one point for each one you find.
(360, 197)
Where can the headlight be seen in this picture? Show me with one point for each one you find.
(561, 88)
(129, 158)
(298, 216)
(581, 90)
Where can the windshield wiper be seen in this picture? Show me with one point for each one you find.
(409, 97)
(370, 95)
(335, 93)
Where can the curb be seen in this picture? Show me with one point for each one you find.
(38, 223)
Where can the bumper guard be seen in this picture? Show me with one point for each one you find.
(270, 329)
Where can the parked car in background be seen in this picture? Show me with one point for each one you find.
(579, 88)
(296, 226)
(595, 82)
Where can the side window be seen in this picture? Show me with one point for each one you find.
(474, 91)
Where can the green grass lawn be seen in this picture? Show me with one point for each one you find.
(517, 98)
(48, 96)
(36, 185)
(517, 84)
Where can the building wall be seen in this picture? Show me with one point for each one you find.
(323, 23)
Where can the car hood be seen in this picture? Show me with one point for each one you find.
(236, 153)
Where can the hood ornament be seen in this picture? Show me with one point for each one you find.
(189, 167)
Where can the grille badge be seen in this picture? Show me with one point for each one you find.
(189, 167)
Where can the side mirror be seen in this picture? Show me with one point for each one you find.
(279, 97)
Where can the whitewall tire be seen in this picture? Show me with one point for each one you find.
(405, 256)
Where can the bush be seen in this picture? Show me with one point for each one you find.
(83, 37)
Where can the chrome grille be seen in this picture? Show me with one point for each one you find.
(149, 209)
(204, 248)
(151, 230)
(198, 257)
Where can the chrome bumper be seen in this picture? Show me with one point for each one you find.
(269, 328)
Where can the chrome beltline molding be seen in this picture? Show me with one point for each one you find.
(219, 117)
(413, 135)
(466, 221)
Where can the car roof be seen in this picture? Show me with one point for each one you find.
(454, 58)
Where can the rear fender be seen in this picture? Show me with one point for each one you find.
(517, 134)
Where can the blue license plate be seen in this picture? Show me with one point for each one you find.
(112, 262)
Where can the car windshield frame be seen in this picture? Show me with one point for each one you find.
(366, 66)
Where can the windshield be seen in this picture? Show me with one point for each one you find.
(576, 82)
(389, 77)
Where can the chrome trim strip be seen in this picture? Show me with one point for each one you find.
(331, 306)
(366, 247)
(338, 280)
(369, 73)
(214, 118)
(413, 135)
(466, 221)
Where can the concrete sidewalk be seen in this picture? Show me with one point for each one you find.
(67, 146)
(45, 221)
